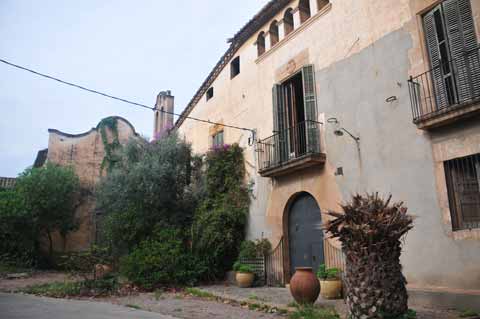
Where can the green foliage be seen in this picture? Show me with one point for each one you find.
(16, 235)
(252, 249)
(248, 250)
(312, 312)
(199, 293)
(148, 188)
(239, 267)
(83, 263)
(162, 260)
(468, 313)
(111, 148)
(220, 219)
(43, 202)
(328, 273)
(55, 289)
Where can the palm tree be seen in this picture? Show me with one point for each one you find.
(370, 230)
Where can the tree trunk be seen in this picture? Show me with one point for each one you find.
(374, 282)
(50, 244)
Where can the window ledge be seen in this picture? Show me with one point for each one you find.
(292, 34)
(449, 115)
(466, 234)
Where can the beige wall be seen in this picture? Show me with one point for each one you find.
(394, 157)
(85, 153)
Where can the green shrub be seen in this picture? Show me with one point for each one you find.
(55, 290)
(248, 250)
(328, 273)
(220, 219)
(312, 312)
(162, 260)
(148, 187)
(239, 267)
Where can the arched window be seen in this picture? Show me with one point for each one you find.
(261, 44)
(304, 8)
(288, 21)
(273, 33)
(322, 3)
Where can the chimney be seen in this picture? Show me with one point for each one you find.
(163, 121)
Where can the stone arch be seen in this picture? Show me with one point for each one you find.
(288, 25)
(273, 32)
(305, 11)
(261, 43)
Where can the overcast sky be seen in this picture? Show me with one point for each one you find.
(132, 49)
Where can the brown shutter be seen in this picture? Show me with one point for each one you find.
(310, 101)
(463, 48)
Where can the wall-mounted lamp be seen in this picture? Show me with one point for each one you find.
(339, 131)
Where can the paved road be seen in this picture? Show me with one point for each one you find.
(28, 307)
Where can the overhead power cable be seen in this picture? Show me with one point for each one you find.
(121, 99)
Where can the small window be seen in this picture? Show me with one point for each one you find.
(304, 8)
(273, 33)
(217, 139)
(261, 44)
(288, 21)
(462, 175)
(322, 3)
(209, 93)
(235, 67)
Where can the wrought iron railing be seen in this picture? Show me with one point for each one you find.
(274, 266)
(446, 85)
(289, 144)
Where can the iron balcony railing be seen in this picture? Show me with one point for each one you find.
(445, 86)
(290, 144)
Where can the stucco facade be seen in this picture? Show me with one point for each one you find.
(363, 53)
(85, 153)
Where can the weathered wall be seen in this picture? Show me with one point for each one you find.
(363, 51)
(85, 153)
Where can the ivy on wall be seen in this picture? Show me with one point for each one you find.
(111, 157)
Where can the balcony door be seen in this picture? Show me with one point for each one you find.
(453, 52)
(295, 116)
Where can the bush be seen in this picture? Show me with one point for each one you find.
(220, 219)
(147, 188)
(328, 273)
(162, 261)
(253, 249)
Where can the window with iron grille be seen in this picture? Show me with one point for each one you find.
(463, 182)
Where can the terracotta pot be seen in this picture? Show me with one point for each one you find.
(304, 286)
(331, 289)
(244, 280)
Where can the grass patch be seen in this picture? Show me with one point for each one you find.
(468, 313)
(199, 293)
(133, 306)
(311, 312)
(55, 290)
(257, 298)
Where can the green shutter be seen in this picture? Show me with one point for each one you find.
(310, 103)
(279, 125)
(463, 44)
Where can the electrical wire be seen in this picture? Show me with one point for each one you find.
(121, 99)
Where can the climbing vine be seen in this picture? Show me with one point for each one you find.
(111, 148)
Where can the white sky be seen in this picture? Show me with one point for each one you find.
(131, 49)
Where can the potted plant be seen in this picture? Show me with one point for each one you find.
(330, 282)
(243, 275)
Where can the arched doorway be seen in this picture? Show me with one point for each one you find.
(305, 234)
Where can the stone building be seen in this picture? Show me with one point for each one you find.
(351, 96)
(7, 182)
(85, 153)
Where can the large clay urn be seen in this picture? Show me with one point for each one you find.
(304, 286)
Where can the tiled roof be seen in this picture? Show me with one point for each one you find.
(249, 29)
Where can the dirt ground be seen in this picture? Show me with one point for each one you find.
(187, 307)
(35, 278)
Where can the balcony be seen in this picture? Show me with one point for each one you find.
(290, 150)
(447, 93)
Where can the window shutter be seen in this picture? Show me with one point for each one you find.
(310, 102)
(435, 61)
(463, 47)
(279, 125)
